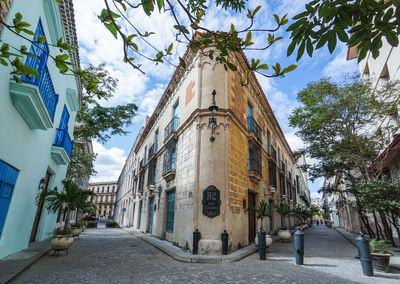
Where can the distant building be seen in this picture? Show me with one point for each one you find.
(36, 121)
(104, 198)
(202, 165)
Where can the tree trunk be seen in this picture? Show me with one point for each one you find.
(395, 224)
(66, 221)
(386, 227)
(365, 222)
(378, 228)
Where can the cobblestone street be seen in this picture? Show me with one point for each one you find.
(115, 256)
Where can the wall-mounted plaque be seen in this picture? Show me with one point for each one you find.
(211, 201)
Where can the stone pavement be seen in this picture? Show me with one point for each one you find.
(115, 256)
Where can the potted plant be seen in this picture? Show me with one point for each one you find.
(380, 251)
(77, 229)
(284, 211)
(63, 202)
(111, 224)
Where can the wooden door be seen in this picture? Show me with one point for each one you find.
(252, 216)
(39, 210)
(151, 215)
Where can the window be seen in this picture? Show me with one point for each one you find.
(173, 158)
(44, 82)
(151, 177)
(141, 181)
(98, 189)
(282, 183)
(176, 111)
(62, 136)
(254, 158)
(268, 142)
(156, 142)
(272, 174)
(169, 159)
(113, 188)
(170, 211)
(108, 188)
(102, 189)
(145, 152)
(8, 178)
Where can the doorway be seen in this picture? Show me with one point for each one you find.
(252, 216)
(151, 215)
(39, 209)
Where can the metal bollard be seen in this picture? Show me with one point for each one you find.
(364, 255)
(299, 246)
(262, 244)
(196, 239)
(224, 239)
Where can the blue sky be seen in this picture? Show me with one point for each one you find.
(98, 46)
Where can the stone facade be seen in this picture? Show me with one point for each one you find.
(4, 7)
(104, 198)
(174, 160)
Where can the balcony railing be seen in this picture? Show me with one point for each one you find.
(151, 151)
(63, 140)
(171, 128)
(254, 127)
(46, 89)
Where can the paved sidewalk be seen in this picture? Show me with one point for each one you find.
(15, 264)
(179, 254)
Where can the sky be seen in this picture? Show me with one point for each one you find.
(97, 45)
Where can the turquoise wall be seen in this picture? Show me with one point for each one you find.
(26, 149)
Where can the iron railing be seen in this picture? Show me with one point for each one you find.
(63, 140)
(171, 128)
(254, 127)
(255, 164)
(169, 162)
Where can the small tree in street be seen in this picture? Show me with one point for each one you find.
(263, 210)
(345, 127)
(284, 211)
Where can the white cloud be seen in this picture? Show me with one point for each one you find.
(315, 195)
(336, 67)
(108, 164)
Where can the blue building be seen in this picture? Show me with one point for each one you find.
(36, 123)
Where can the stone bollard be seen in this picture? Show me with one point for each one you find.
(196, 239)
(262, 244)
(224, 239)
(364, 255)
(299, 246)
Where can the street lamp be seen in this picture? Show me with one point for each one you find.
(212, 122)
(41, 184)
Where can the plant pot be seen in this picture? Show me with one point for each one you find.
(268, 240)
(61, 242)
(284, 235)
(328, 225)
(76, 232)
(381, 261)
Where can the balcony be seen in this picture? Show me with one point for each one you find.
(255, 163)
(171, 128)
(254, 128)
(169, 166)
(35, 100)
(62, 147)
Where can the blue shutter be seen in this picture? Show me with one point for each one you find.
(176, 110)
(151, 215)
(173, 156)
(8, 178)
(250, 160)
(62, 128)
(140, 214)
(170, 211)
(156, 146)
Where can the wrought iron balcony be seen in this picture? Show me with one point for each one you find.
(46, 90)
(171, 128)
(63, 140)
(254, 127)
(169, 165)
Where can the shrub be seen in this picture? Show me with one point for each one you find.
(91, 224)
(380, 246)
(112, 224)
(62, 232)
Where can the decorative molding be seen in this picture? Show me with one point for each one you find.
(29, 103)
(59, 155)
(52, 12)
(72, 99)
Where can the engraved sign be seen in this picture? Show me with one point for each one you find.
(211, 201)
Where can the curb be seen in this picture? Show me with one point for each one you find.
(40, 255)
(346, 237)
(189, 258)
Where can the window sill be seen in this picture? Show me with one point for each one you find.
(169, 175)
(29, 103)
(255, 177)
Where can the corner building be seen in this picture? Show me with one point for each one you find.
(182, 180)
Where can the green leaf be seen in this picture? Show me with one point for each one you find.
(262, 67)
(363, 52)
(277, 18)
(342, 35)
(170, 47)
(3, 62)
(331, 41)
(310, 48)
(148, 6)
(182, 62)
(301, 50)
(291, 48)
(160, 4)
(289, 68)
(248, 37)
(111, 28)
(256, 10)
(232, 67)
(322, 41)
(392, 38)
(41, 39)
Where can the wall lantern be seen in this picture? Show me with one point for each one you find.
(151, 187)
(212, 122)
(272, 189)
(41, 184)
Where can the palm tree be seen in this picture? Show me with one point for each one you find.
(263, 210)
(70, 199)
(285, 211)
